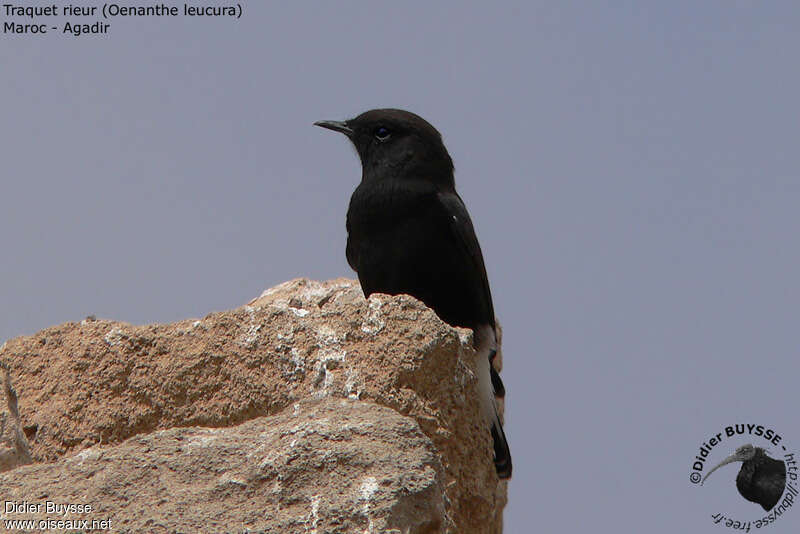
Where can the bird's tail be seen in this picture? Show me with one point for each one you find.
(491, 388)
(502, 454)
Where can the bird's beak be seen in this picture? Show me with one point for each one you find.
(732, 458)
(336, 126)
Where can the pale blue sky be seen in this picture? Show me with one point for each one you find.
(632, 173)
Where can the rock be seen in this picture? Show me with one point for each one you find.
(14, 448)
(327, 465)
(309, 409)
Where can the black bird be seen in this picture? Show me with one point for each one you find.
(761, 479)
(409, 232)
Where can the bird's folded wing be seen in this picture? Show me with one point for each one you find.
(464, 235)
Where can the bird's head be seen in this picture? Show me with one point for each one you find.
(393, 143)
(742, 454)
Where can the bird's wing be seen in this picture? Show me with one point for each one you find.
(768, 483)
(464, 236)
(350, 250)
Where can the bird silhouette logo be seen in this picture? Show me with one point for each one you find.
(768, 477)
(761, 479)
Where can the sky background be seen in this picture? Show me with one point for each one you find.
(631, 171)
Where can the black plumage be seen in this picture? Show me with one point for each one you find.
(761, 479)
(408, 231)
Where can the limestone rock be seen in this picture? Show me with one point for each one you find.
(309, 409)
(14, 448)
(328, 465)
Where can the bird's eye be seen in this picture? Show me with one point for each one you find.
(382, 133)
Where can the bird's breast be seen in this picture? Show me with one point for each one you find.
(393, 231)
(377, 208)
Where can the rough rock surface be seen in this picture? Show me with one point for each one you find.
(14, 448)
(308, 410)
